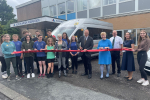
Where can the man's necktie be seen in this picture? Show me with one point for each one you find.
(84, 41)
(113, 42)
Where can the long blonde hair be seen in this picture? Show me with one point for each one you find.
(50, 39)
(140, 39)
(6, 35)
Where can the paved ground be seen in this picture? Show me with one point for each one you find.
(76, 87)
(3, 97)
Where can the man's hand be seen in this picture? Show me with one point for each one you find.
(21, 57)
(29, 49)
(85, 50)
(81, 48)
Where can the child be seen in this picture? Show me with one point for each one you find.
(18, 56)
(3, 67)
(41, 56)
(27, 45)
(74, 55)
(8, 48)
(50, 56)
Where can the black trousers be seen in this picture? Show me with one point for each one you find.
(19, 64)
(142, 58)
(29, 62)
(4, 67)
(37, 63)
(115, 57)
(74, 62)
(87, 64)
(67, 57)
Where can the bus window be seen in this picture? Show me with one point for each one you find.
(79, 33)
(95, 33)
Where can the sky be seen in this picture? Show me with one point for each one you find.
(14, 3)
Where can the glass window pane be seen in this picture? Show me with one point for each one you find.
(53, 11)
(107, 2)
(45, 11)
(133, 34)
(122, 0)
(94, 3)
(61, 8)
(82, 5)
(70, 6)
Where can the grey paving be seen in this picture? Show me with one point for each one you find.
(76, 87)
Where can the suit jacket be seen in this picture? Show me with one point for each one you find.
(88, 45)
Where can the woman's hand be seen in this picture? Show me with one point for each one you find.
(106, 47)
(23, 50)
(61, 49)
(29, 49)
(12, 53)
(35, 49)
(21, 57)
(124, 47)
(100, 47)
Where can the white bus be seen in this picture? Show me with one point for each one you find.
(77, 26)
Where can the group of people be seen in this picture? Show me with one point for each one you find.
(45, 60)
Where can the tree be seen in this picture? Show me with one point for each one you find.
(10, 30)
(6, 12)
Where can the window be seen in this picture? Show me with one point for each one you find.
(45, 11)
(95, 33)
(61, 8)
(60, 30)
(82, 5)
(107, 2)
(78, 34)
(94, 3)
(70, 6)
(133, 34)
(123, 0)
(53, 11)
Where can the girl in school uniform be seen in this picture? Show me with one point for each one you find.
(8, 48)
(18, 56)
(50, 57)
(74, 55)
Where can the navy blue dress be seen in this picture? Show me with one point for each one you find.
(128, 58)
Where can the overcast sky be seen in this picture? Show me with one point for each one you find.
(14, 3)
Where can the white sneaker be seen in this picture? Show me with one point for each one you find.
(33, 75)
(141, 80)
(28, 75)
(145, 83)
(4, 76)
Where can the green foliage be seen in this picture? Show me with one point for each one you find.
(6, 12)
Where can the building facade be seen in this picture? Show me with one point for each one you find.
(125, 15)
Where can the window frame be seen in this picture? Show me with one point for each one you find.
(84, 9)
(95, 7)
(58, 8)
(109, 4)
(50, 10)
(67, 6)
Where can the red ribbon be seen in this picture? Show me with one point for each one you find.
(94, 50)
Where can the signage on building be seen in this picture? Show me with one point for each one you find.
(27, 22)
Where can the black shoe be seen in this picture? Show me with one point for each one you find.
(84, 74)
(130, 79)
(126, 77)
(118, 75)
(73, 72)
(112, 74)
(89, 76)
(107, 77)
(67, 71)
(52, 74)
(48, 76)
(101, 78)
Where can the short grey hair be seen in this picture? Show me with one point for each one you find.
(59, 35)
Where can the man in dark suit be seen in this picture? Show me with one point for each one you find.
(86, 44)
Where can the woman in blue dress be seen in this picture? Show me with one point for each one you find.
(128, 58)
(104, 56)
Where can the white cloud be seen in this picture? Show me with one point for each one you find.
(14, 3)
